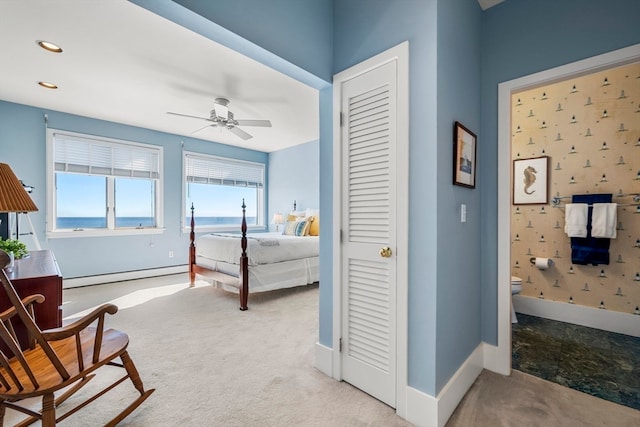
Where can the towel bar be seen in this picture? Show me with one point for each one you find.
(556, 203)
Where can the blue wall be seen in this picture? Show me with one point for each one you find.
(458, 299)
(294, 175)
(363, 28)
(271, 25)
(23, 147)
(522, 37)
(444, 86)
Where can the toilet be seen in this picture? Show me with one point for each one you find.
(516, 287)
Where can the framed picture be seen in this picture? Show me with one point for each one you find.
(530, 181)
(464, 156)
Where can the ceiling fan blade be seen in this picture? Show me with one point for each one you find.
(186, 115)
(260, 123)
(199, 129)
(239, 132)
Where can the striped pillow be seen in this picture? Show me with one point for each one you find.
(296, 228)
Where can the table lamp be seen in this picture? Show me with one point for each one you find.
(278, 219)
(13, 198)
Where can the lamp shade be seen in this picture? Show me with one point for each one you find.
(278, 218)
(13, 196)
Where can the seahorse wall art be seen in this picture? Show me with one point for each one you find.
(529, 179)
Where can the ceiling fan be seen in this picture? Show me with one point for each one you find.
(220, 116)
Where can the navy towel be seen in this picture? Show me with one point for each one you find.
(590, 250)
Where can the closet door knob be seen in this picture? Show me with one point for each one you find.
(385, 252)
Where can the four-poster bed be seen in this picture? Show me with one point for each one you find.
(253, 263)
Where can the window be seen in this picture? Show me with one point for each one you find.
(216, 186)
(100, 186)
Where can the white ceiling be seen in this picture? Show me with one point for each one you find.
(124, 64)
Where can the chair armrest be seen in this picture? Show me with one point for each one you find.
(26, 301)
(80, 324)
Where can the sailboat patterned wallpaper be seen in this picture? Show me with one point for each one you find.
(589, 126)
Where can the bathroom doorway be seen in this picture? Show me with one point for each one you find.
(505, 128)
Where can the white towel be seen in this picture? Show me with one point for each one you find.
(604, 220)
(575, 219)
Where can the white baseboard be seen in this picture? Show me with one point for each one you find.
(607, 320)
(127, 275)
(324, 359)
(498, 358)
(422, 408)
(426, 410)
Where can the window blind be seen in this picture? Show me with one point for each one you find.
(222, 171)
(107, 158)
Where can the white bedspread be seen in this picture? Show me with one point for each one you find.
(262, 248)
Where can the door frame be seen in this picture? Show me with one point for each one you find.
(501, 361)
(399, 54)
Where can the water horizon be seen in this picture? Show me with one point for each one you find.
(138, 221)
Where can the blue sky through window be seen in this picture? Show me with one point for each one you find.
(81, 195)
(85, 196)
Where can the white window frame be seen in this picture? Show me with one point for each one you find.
(186, 211)
(54, 233)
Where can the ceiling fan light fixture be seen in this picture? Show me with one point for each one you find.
(221, 117)
(48, 46)
(221, 108)
(48, 85)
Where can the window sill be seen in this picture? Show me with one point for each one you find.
(103, 233)
(224, 229)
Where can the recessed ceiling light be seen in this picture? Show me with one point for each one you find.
(48, 85)
(51, 47)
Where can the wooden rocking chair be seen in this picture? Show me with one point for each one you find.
(57, 359)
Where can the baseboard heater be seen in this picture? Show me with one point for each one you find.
(76, 282)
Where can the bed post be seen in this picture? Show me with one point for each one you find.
(244, 262)
(192, 251)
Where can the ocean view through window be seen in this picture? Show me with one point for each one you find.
(216, 188)
(98, 222)
(102, 186)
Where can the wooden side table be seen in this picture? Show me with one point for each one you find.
(38, 274)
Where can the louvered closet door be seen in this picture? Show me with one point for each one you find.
(368, 218)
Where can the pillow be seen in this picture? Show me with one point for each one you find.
(297, 213)
(289, 228)
(311, 212)
(314, 227)
(292, 217)
(303, 230)
(311, 220)
(296, 228)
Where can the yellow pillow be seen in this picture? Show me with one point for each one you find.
(293, 218)
(314, 229)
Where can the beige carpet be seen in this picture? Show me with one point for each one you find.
(522, 400)
(213, 365)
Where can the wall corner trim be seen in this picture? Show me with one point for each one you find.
(324, 359)
(429, 411)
